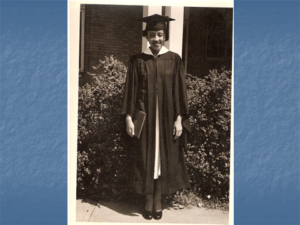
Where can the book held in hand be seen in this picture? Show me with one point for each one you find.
(138, 121)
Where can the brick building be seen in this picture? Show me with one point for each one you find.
(202, 36)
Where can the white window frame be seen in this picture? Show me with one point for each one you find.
(81, 43)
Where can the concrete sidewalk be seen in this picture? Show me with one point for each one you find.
(89, 211)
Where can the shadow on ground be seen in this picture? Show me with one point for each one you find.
(119, 207)
(125, 208)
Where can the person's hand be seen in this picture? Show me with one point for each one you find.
(177, 129)
(129, 126)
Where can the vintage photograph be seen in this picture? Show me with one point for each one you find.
(154, 114)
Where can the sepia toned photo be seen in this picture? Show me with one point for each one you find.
(150, 113)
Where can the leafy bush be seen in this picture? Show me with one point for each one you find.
(100, 164)
(102, 160)
(208, 153)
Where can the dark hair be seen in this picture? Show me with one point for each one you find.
(145, 33)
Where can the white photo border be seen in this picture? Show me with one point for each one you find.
(73, 84)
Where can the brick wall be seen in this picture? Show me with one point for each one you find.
(111, 30)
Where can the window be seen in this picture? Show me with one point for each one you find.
(216, 39)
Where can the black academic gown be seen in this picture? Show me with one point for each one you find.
(148, 76)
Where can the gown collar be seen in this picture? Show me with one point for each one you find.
(163, 50)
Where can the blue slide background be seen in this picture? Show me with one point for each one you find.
(33, 112)
(266, 102)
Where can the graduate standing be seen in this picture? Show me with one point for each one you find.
(155, 84)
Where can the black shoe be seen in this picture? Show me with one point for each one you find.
(147, 215)
(157, 215)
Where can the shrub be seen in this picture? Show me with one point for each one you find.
(102, 160)
(100, 164)
(208, 153)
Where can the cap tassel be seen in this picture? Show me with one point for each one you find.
(167, 30)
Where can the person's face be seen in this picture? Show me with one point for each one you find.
(156, 39)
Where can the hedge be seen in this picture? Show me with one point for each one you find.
(102, 159)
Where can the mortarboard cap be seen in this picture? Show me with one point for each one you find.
(157, 22)
(156, 18)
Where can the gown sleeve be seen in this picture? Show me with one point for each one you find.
(130, 90)
(180, 94)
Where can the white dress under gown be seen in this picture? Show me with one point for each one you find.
(157, 166)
